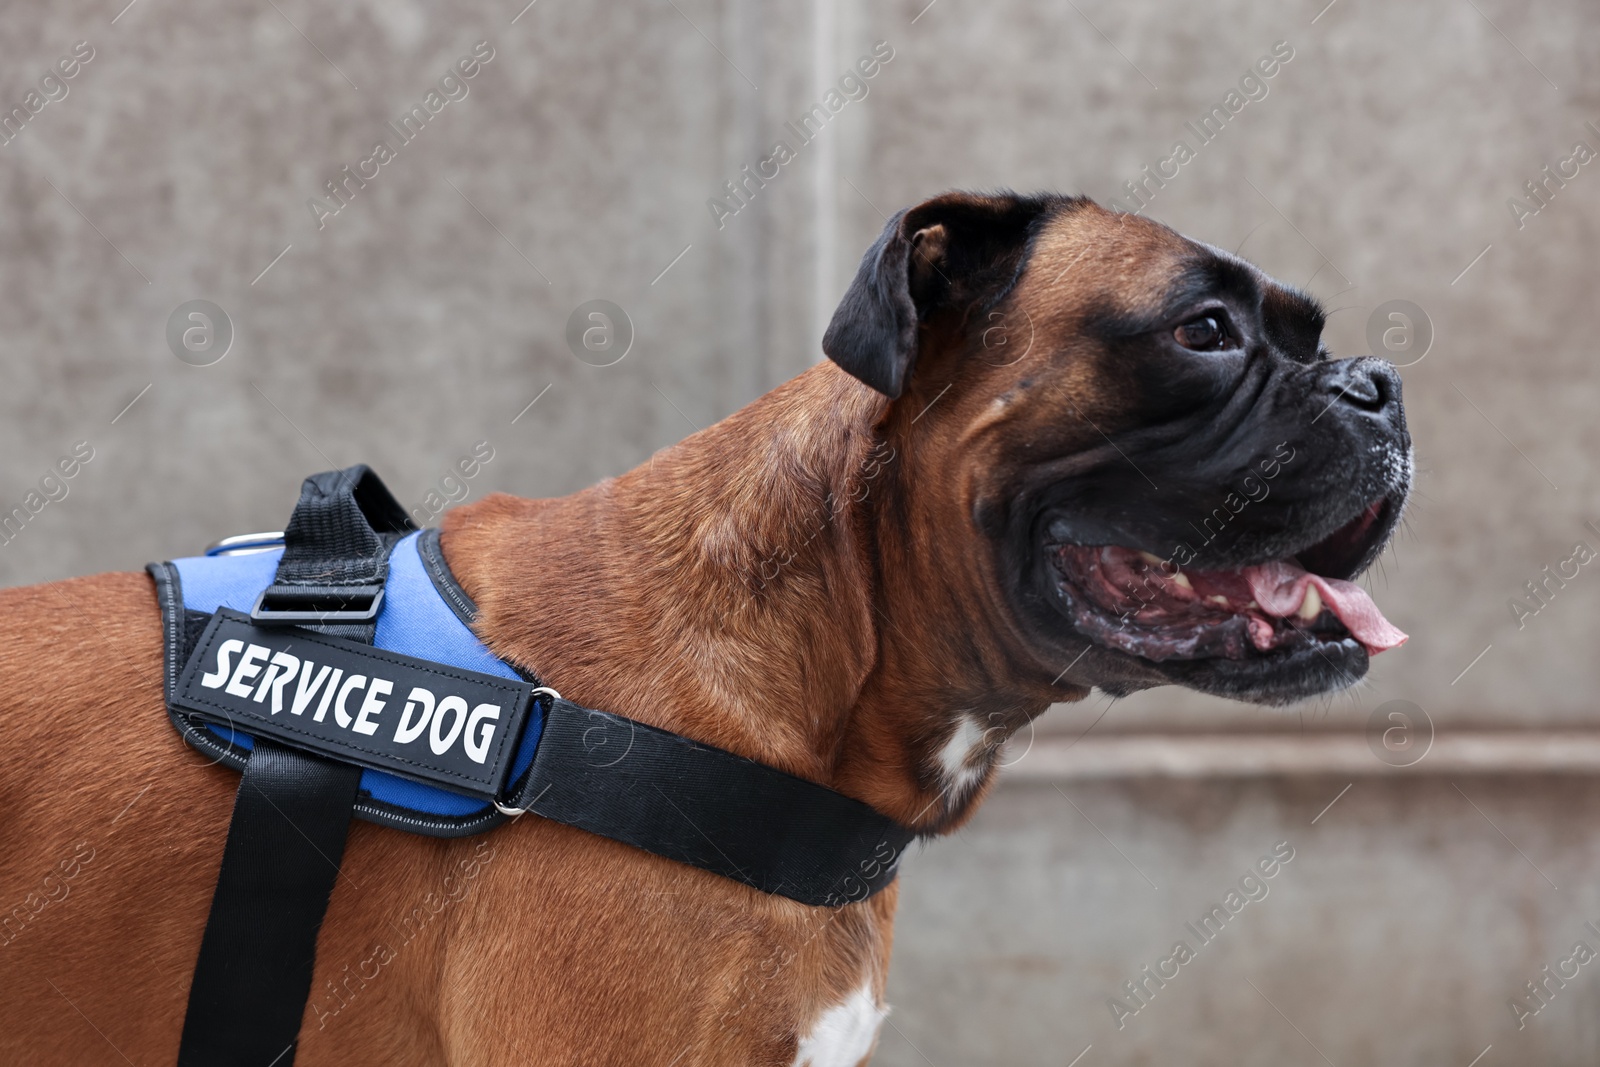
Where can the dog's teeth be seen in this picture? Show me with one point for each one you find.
(1220, 601)
(1182, 579)
(1311, 606)
(1150, 558)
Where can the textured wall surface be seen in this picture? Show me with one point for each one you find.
(432, 309)
(1395, 935)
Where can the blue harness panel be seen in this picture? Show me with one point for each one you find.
(415, 621)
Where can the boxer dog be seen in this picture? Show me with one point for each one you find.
(1056, 448)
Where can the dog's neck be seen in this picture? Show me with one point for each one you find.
(732, 589)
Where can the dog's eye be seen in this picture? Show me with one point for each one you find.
(1205, 333)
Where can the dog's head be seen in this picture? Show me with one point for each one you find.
(1149, 470)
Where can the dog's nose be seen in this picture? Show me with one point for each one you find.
(1368, 383)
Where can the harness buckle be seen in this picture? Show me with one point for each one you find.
(313, 603)
(505, 809)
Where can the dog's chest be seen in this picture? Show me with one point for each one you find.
(843, 1035)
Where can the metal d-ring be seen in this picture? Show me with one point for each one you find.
(245, 544)
(514, 812)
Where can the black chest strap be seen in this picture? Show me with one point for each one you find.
(709, 808)
(292, 811)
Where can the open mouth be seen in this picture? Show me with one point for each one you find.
(1138, 603)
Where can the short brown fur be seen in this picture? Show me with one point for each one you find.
(801, 583)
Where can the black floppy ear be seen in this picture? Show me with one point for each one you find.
(873, 332)
(954, 250)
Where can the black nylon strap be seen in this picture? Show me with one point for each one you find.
(334, 537)
(278, 868)
(704, 806)
(292, 811)
(338, 541)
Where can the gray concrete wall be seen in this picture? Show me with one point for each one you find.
(429, 312)
(1396, 935)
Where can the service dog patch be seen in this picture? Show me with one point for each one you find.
(439, 724)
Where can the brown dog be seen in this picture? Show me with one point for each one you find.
(1054, 482)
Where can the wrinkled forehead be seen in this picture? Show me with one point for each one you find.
(1135, 273)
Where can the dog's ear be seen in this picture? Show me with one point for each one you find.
(955, 251)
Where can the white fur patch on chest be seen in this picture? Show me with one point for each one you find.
(844, 1034)
(958, 758)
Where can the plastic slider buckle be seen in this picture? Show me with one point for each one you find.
(322, 604)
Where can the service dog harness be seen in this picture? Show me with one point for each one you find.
(341, 674)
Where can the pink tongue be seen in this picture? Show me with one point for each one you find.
(1280, 587)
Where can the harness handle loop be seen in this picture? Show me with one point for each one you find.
(335, 554)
